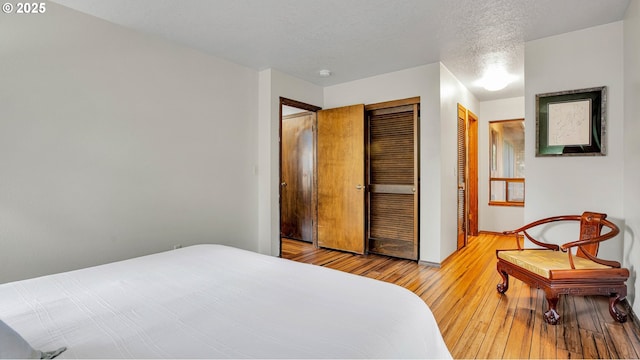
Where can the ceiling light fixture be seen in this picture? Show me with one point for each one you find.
(324, 73)
(496, 79)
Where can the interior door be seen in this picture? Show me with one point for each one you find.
(462, 167)
(472, 173)
(392, 175)
(296, 216)
(341, 194)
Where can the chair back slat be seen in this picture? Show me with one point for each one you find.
(590, 227)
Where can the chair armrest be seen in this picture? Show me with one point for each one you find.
(579, 243)
(537, 223)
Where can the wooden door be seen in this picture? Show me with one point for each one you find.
(296, 215)
(340, 159)
(472, 173)
(462, 167)
(467, 175)
(392, 179)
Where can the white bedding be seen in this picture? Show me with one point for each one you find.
(214, 301)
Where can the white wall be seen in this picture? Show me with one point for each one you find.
(115, 144)
(571, 185)
(632, 149)
(452, 93)
(496, 218)
(439, 94)
(274, 84)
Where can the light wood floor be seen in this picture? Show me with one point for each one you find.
(478, 322)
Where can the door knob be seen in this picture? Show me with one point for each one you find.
(359, 187)
(283, 184)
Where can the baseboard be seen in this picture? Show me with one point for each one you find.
(429, 264)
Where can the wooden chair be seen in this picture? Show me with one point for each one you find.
(557, 270)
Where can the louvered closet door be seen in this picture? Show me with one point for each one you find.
(462, 166)
(393, 181)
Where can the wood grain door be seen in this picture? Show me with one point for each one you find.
(472, 173)
(296, 215)
(462, 178)
(393, 179)
(341, 194)
(467, 175)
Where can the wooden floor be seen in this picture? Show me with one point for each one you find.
(478, 322)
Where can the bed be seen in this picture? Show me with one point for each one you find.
(216, 301)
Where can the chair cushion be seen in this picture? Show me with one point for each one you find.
(542, 262)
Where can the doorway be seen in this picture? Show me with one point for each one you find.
(296, 186)
(467, 169)
(298, 171)
(350, 182)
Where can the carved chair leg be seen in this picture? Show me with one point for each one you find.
(504, 285)
(552, 316)
(616, 314)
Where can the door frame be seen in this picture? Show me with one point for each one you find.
(472, 173)
(469, 121)
(314, 206)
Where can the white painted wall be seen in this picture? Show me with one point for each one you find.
(274, 84)
(452, 92)
(115, 144)
(631, 179)
(496, 218)
(439, 94)
(571, 185)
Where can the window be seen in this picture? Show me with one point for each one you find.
(506, 163)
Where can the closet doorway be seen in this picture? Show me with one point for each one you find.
(349, 176)
(298, 172)
(467, 170)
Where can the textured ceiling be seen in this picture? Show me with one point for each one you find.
(361, 38)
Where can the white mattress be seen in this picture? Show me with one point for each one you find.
(214, 301)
